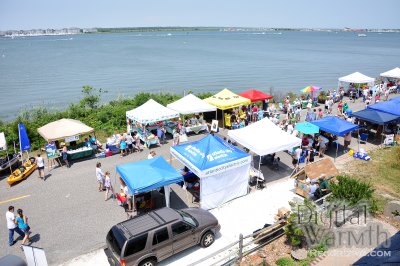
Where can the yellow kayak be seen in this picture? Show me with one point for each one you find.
(23, 171)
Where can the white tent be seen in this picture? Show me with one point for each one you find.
(151, 112)
(394, 73)
(191, 104)
(63, 128)
(264, 137)
(357, 77)
(3, 143)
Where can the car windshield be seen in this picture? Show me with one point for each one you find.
(116, 240)
(188, 218)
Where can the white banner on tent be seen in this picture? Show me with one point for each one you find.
(218, 189)
(3, 143)
(214, 170)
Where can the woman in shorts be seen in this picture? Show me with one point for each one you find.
(22, 222)
(40, 165)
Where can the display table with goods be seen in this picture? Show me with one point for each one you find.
(196, 128)
(79, 152)
(146, 136)
(170, 127)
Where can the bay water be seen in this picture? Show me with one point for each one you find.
(50, 70)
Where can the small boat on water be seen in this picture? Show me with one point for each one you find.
(8, 161)
(23, 172)
(362, 35)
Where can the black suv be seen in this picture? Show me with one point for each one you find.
(148, 239)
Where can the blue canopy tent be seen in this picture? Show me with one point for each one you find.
(396, 99)
(335, 126)
(147, 175)
(390, 107)
(375, 117)
(222, 168)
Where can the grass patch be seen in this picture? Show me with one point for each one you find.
(382, 171)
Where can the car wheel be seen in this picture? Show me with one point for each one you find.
(207, 239)
(148, 262)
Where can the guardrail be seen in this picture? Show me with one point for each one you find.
(259, 239)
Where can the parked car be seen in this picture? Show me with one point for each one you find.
(12, 260)
(150, 238)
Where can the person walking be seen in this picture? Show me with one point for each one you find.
(176, 137)
(108, 185)
(122, 146)
(310, 155)
(12, 227)
(40, 165)
(136, 139)
(65, 156)
(99, 176)
(347, 141)
(22, 222)
(129, 143)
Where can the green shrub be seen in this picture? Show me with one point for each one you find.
(322, 97)
(285, 261)
(353, 191)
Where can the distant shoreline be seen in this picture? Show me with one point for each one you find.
(78, 31)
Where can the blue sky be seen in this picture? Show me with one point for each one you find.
(29, 14)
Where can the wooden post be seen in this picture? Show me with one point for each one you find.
(240, 255)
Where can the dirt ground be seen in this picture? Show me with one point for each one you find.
(269, 254)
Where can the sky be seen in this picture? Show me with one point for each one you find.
(35, 14)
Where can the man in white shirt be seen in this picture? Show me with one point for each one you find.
(313, 188)
(289, 128)
(151, 155)
(10, 217)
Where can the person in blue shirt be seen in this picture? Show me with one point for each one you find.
(122, 146)
(22, 222)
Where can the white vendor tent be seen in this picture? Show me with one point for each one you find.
(264, 137)
(223, 169)
(394, 73)
(63, 128)
(151, 112)
(191, 104)
(357, 77)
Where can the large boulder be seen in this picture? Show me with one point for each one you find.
(392, 209)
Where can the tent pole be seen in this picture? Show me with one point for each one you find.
(259, 169)
(337, 147)
(9, 164)
(223, 119)
(358, 132)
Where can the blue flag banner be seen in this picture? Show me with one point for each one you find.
(24, 143)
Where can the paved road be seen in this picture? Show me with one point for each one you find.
(67, 214)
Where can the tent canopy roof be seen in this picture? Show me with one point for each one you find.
(226, 99)
(255, 95)
(147, 175)
(357, 77)
(150, 112)
(393, 73)
(396, 99)
(335, 125)
(191, 104)
(391, 107)
(63, 128)
(375, 116)
(210, 155)
(264, 137)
